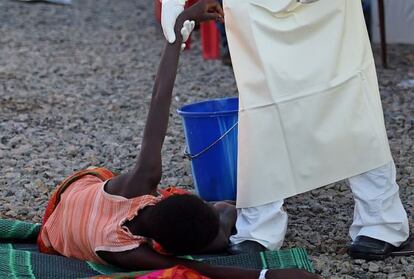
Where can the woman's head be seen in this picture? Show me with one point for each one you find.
(184, 224)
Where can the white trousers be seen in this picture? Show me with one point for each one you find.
(378, 213)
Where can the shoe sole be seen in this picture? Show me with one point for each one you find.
(368, 257)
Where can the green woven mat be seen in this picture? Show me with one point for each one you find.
(19, 258)
(291, 258)
(17, 230)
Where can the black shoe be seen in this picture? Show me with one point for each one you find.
(246, 247)
(367, 248)
(406, 249)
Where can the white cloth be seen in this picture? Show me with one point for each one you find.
(310, 112)
(265, 224)
(378, 213)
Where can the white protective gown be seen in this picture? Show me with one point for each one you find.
(310, 110)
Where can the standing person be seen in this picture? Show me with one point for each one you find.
(306, 73)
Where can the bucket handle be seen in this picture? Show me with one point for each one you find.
(192, 157)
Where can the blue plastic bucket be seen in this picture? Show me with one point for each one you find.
(210, 129)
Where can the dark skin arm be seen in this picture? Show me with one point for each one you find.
(147, 171)
(144, 258)
(146, 175)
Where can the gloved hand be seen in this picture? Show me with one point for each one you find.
(188, 27)
(171, 9)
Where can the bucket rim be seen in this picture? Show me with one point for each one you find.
(181, 111)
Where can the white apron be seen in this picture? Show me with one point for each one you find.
(310, 111)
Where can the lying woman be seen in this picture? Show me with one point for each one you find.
(126, 220)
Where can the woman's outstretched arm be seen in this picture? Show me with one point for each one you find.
(146, 175)
(144, 258)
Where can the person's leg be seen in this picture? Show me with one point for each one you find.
(264, 224)
(225, 52)
(379, 213)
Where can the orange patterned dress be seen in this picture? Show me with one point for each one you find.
(82, 219)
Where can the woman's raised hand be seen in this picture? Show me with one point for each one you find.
(205, 10)
(201, 11)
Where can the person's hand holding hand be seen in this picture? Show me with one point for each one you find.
(170, 10)
(201, 11)
(205, 10)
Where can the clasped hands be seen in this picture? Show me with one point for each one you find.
(203, 10)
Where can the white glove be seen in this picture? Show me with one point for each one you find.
(188, 27)
(171, 9)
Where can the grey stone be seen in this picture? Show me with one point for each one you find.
(373, 267)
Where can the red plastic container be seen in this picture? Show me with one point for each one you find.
(210, 40)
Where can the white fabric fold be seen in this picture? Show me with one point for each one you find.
(310, 110)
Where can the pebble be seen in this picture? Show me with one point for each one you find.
(373, 267)
(75, 90)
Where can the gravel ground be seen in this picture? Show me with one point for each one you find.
(75, 84)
